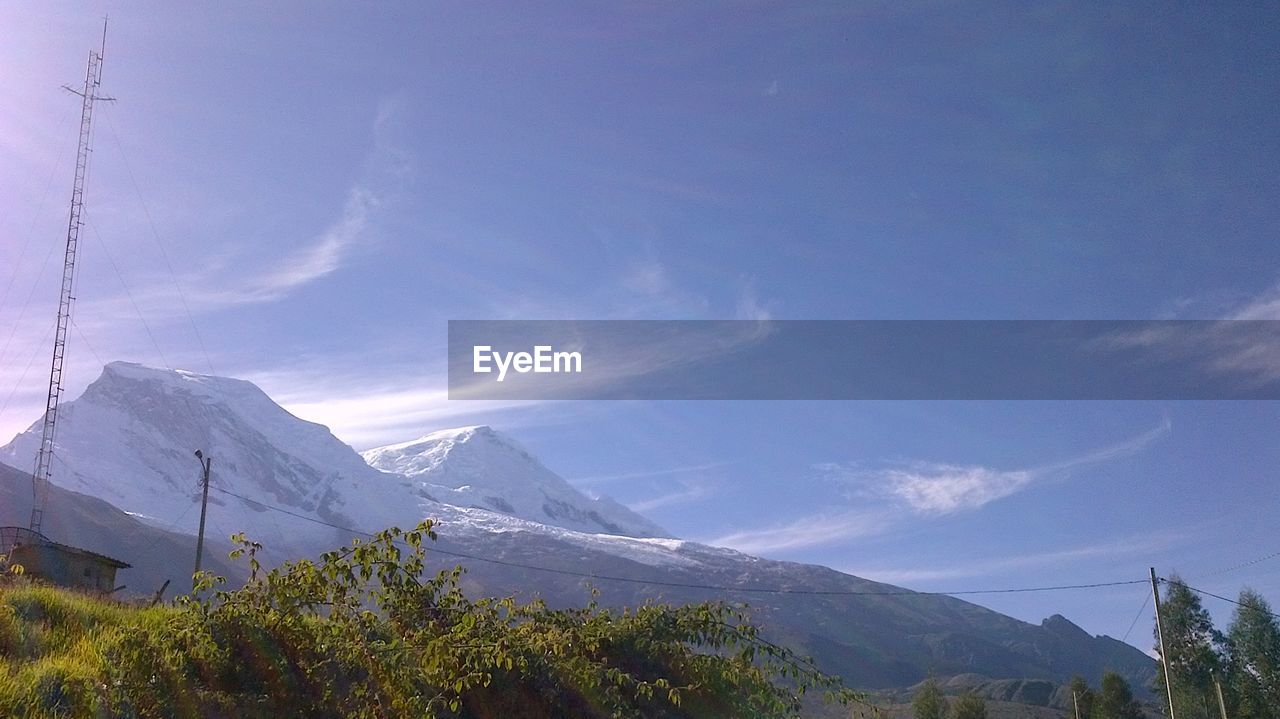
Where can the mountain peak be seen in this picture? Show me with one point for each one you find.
(211, 386)
(478, 466)
(130, 437)
(138, 371)
(1062, 626)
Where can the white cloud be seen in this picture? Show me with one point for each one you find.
(690, 492)
(315, 261)
(807, 532)
(892, 496)
(1245, 351)
(1124, 448)
(368, 416)
(1265, 306)
(945, 488)
(748, 306)
(229, 280)
(940, 488)
(1120, 547)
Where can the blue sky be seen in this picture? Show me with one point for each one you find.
(320, 187)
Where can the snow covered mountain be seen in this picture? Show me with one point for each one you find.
(517, 527)
(130, 440)
(478, 467)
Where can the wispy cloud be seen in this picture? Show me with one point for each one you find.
(313, 262)
(1119, 547)
(233, 279)
(941, 488)
(667, 472)
(1124, 448)
(1245, 348)
(1265, 306)
(945, 488)
(892, 496)
(807, 532)
(689, 492)
(366, 415)
(749, 306)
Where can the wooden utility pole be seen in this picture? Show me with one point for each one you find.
(205, 464)
(1164, 652)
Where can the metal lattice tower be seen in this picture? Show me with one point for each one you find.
(44, 458)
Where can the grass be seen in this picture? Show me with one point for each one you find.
(52, 648)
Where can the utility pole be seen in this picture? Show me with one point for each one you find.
(1222, 705)
(205, 464)
(1164, 653)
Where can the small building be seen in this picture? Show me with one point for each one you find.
(60, 564)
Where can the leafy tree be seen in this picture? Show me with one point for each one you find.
(929, 702)
(971, 706)
(1193, 657)
(365, 632)
(1253, 659)
(1083, 697)
(1115, 700)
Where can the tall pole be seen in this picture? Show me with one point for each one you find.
(1222, 705)
(1075, 699)
(44, 456)
(1164, 653)
(205, 464)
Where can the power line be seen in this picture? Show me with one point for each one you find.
(125, 285)
(26, 243)
(27, 303)
(691, 585)
(84, 339)
(31, 361)
(1226, 599)
(1242, 565)
(155, 234)
(1136, 617)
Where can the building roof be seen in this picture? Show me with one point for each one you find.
(26, 536)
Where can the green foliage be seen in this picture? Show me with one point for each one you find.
(1115, 700)
(1193, 658)
(1082, 696)
(1253, 659)
(928, 702)
(363, 632)
(970, 706)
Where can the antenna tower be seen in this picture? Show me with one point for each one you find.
(44, 458)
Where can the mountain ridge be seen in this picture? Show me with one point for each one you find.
(130, 436)
(478, 466)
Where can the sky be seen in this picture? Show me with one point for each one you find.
(303, 194)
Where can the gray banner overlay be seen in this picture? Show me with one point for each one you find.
(864, 359)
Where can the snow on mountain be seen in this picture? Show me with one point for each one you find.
(130, 440)
(478, 467)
